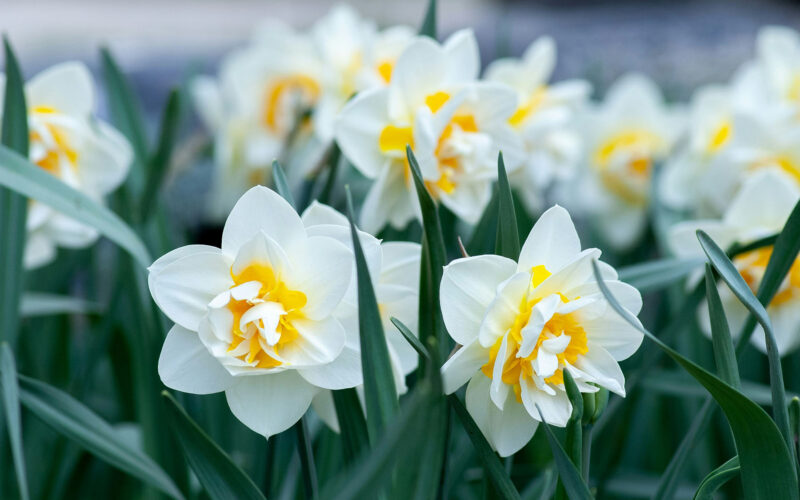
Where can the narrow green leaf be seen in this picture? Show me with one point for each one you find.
(69, 417)
(719, 476)
(13, 206)
(380, 393)
(8, 380)
(507, 241)
(411, 338)
(306, 459)
(333, 169)
(19, 174)
(568, 474)
(46, 304)
(220, 477)
(767, 467)
(428, 27)
(481, 241)
(656, 275)
(728, 272)
(574, 437)
(491, 463)
(125, 108)
(542, 487)
(682, 385)
(724, 351)
(159, 163)
(281, 184)
(352, 425)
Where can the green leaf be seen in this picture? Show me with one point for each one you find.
(724, 351)
(281, 184)
(507, 241)
(8, 380)
(380, 393)
(542, 487)
(125, 108)
(428, 27)
(569, 475)
(411, 338)
(159, 163)
(220, 477)
(767, 468)
(728, 272)
(719, 476)
(492, 466)
(72, 419)
(656, 275)
(13, 206)
(45, 304)
(682, 385)
(19, 174)
(481, 241)
(306, 459)
(352, 425)
(574, 437)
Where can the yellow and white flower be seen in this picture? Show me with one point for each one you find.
(256, 318)
(544, 118)
(521, 324)
(455, 125)
(67, 141)
(625, 135)
(759, 209)
(394, 268)
(777, 66)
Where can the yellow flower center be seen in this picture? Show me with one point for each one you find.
(560, 324)
(385, 69)
(272, 291)
(720, 136)
(289, 93)
(529, 107)
(629, 183)
(51, 161)
(751, 266)
(394, 139)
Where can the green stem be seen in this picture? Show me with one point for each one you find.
(307, 460)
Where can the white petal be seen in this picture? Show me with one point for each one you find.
(400, 264)
(540, 315)
(39, 250)
(320, 343)
(388, 200)
(628, 296)
(498, 392)
(556, 408)
(359, 127)
(468, 287)
(576, 272)
(342, 373)
(462, 56)
(614, 334)
(419, 71)
(553, 242)
(185, 281)
(66, 87)
(463, 365)
(682, 237)
(546, 363)
(601, 366)
(186, 365)
(261, 209)
(764, 202)
(104, 160)
(323, 271)
(269, 404)
(504, 308)
(318, 213)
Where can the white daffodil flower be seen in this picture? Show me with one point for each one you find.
(544, 119)
(67, 141)
(521, 324)
(455, 125)
(759, 209)
(256, 318)
(394, 268)
(278, 97)
(777, 65)
(625, 135)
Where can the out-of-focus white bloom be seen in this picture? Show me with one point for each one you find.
(759, 209)
(68, 142)
(455, 125)
(394, 268)
(521, 324)
(777, 66)
(544, 119)
(626, 134)
(256, 318)
(278, 96)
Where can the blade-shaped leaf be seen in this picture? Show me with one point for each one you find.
(8, 381)
(574, 432)
(281, 184)
(220, 477)
(719, 476)
(428, 27)
(480, 241)
(724, 351)
(352, 425)
(767, 467)
(655, 275)
(125, 108)
(159, 163)
(568, 474)
(380, 393)
(44, 304)
(507, 241)
(728, 272)
(19, 174)
(13, 206)
(411, 338)
(491, 463)
(77, 422)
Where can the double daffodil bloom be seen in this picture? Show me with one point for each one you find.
(455, 125)
(759, 209)
(625, 136)
(544, 119)
(256, 318)
(521, 324)
(67, 141)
